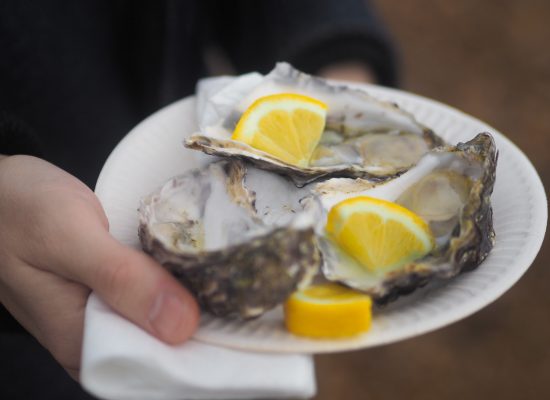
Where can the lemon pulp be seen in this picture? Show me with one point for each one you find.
(379, 234)
(287, 126)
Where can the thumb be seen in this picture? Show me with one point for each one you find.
(137, 287)
(57, 224)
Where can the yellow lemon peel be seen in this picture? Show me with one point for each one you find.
(328, 311)
(379, 234)
(287, 126)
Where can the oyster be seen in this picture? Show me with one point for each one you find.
(364, 137)
(238, 249)
(450, 188)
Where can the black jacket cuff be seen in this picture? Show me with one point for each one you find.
(326, 47)
(310, 34)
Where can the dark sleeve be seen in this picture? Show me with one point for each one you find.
(309, 34)
(16, 137)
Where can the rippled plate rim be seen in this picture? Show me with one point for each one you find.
(267, 334)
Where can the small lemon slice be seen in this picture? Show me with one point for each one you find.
(287, 126)
(379, 234)
(328, 311)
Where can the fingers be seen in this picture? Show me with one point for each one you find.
(49, 307)
(140, 289)
(53, 222)
(354, 71)
(134, 285)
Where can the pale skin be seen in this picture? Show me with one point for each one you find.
(55, 248)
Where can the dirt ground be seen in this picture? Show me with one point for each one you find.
(491, 59)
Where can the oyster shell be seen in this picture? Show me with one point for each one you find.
(450, 188)
(240, 251)
(364, 137)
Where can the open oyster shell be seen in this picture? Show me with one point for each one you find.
(450, 188)
(242, 239)
(364, 137)
(217, 229)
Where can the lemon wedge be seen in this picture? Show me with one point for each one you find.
(328, 311)
(379, 234)
(287, 126)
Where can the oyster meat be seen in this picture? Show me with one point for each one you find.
(364, 137)
(223, 230)
(247, 230)
(450, 188)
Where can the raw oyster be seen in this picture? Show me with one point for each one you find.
(364, 137)
(450, 188)
(237, 247)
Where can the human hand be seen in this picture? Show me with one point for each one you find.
(55, 248)
(353, 71)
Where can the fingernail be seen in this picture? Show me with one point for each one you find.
(166, 316)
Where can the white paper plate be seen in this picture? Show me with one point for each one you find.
(153, 152)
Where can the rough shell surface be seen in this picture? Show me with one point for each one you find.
(352, 114)
(243, 279)
(468, 244)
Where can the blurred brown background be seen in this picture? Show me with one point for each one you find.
(492, 60)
